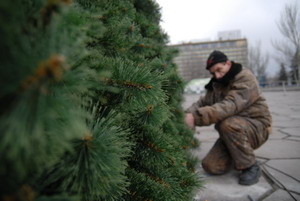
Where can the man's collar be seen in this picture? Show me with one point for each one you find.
(233, 71)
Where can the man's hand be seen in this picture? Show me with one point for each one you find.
(190, 121)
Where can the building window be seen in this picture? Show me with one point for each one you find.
(214, 45)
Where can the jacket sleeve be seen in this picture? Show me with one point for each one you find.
(195, 106)
(243, 93)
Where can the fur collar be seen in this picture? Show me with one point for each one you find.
(234, 70)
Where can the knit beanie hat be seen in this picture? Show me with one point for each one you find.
(215, 57)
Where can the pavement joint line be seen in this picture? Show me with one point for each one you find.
(295, 192)
(283, 127)
(261, 157)
(296, 158)
(282, 172)
(277, 114)
(292, 140)
(277, 139)
(282, 132)
(286, 137)
(263, 162)
(277, 182)
(274, 186)
(268, 193)
(250, 198)
(295, 136)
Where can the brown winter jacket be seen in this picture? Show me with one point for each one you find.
(237, 94)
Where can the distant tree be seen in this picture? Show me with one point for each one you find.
(282, 73)
(288, 49)
(258, 61)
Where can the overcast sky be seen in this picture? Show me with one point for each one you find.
(190, 20)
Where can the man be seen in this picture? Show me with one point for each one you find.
(233, 102)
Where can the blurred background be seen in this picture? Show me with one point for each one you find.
(261, 35)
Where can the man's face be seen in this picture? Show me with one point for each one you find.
(220, 69)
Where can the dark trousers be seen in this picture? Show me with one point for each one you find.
(239, 136)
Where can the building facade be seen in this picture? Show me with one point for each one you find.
(191, 60)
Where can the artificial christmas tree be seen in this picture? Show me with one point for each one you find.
(47, 113)
(148, 96)
(91, 104)
(40, 95)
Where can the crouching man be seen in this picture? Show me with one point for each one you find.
(233, 102)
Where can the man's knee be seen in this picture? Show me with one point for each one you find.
(230, 125)
(215, 167)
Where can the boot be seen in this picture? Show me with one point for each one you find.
(250, 175)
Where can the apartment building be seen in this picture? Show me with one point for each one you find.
(192, 57)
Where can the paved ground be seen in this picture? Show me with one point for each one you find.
(279, 157)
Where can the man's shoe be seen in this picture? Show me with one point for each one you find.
(250, 175)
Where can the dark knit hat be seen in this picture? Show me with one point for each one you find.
(215, 57)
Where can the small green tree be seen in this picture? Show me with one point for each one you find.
(282, 73)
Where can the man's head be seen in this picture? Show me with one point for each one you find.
(218, 64)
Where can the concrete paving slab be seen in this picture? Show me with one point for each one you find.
(276, 134)
(261, 160)
(290, 112)
(292, 131)
(189, 99)
(279, 119)
(205, 129)
(277, 97)
(278, 110)
(276, 116)
(290, 167)
(205, 134)
(204, 148)
(207, 138)
(277, 149)
(226, 188)
(288, 182)
(295, 136)
(282, 196)
(288, 123)
(297, 139)
(295, 116)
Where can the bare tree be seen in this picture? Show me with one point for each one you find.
(258, 61)
(289, 48)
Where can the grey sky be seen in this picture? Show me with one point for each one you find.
(189, 20)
